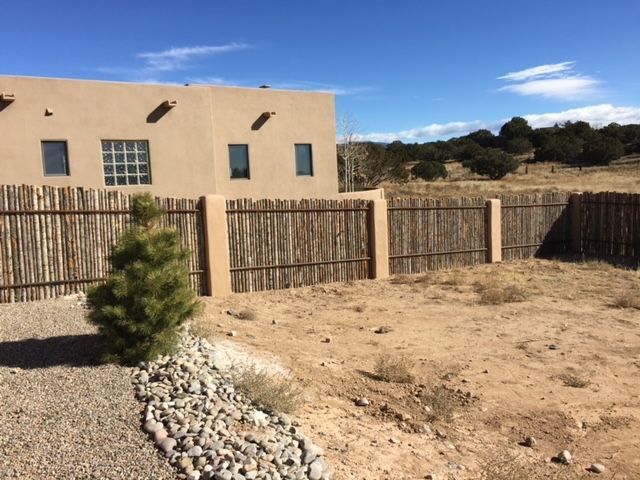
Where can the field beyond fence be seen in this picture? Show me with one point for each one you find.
(57, 241)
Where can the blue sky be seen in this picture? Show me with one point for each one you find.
(409, 70)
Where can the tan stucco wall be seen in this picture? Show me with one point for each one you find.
(187, 146)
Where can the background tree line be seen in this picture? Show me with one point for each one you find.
(367, 164)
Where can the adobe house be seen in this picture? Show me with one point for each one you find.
(182, 141)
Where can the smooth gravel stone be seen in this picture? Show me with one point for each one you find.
(195, 451)
(168, 444)
(362, 402)
(597, 468)
(530, 442)
(151, 426)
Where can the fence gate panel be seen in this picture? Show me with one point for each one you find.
(534, 225)
(292, 243)
(432, 234)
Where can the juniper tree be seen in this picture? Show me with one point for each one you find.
(147, 297)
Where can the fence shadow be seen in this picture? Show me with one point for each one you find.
(69, 350)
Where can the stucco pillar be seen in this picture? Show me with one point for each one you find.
(575, 223)
(216, 240)
(378, 239)
(493, 226)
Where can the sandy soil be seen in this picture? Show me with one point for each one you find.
(498, 353)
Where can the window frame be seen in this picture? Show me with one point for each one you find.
(295, 150)
(246, 145)
(66, 158)
(137, 162)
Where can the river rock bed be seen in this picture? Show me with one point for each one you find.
(207, 430)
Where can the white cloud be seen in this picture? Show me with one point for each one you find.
(596, 115)
(569, 88)
(540, 70)
(555, 80)
(176, 58)
(433, 131)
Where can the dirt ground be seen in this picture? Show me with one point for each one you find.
(562, 366)
(621, 176)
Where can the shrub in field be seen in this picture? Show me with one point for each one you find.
(495, 291)
(601, 151)
(147, 297)
(492, 163)
(271, 392)
(442, 403)
(630, 299)
(574, 381)
(394, 368)
(429, 170)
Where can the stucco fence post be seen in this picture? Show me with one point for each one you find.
(216, 244)
(378, 239)
(493, 230)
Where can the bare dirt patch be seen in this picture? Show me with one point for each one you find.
(484, 376)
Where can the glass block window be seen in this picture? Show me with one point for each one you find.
(54, 157)
(126, 162)
(304, 163)
(239, 161)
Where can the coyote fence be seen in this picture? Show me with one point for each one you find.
(432, 234)
(534, 225)
(293, 243)
(610, 226)
(57, 241)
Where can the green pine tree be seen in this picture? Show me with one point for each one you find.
(147, 297)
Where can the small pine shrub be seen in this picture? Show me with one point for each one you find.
(495, 291)
(147, 297)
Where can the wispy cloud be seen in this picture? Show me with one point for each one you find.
(555, 80)
(596, 115)
(540, 70)
(176, 58)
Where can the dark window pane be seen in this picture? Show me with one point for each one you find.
(54, 155)
(142, 168)
(133, 179)
(119, 157)
(304, 164)
(130, 146)
(108, 169)
(121, 169)
(142, 146)
(131, 168)
(109, 180)
(239, 161)
(144, 179)
(118, 146)
(121, 180)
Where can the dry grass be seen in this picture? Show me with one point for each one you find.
(628, 299)
(443, 403)
(394, 368)
(497, 290)
(574, 381)
(622, 176)
(271, 392)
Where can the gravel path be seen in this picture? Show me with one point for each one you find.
(62, 415)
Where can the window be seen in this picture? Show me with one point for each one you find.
(126, 162)
(54, 157)
(239, 161)
(304, 163)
